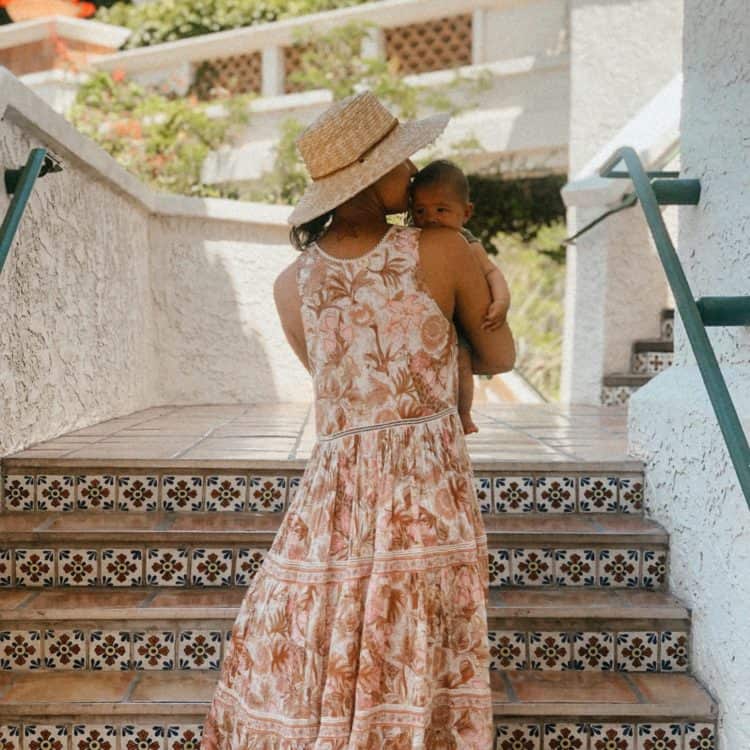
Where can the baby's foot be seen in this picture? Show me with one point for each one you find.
(468, 424)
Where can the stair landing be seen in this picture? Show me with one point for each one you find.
(272, 435)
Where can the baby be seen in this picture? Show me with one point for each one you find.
(440, 198)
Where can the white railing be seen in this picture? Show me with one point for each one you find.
(77, 29)
(176, 60)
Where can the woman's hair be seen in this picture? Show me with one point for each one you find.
(442, 170)
(302, 235)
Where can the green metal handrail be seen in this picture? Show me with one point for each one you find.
(695, 314)
(20, 183)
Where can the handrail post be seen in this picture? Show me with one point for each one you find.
(18, 202)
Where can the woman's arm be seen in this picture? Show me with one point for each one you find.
(289, 307)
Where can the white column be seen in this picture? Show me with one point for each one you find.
(273, 71)
(373, 45)
(478, 33)
(615, 286)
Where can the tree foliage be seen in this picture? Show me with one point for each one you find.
(164, 140)
(520, 207)
(168, 20)
(537, 284)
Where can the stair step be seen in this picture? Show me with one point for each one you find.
(629, 379)
(625, 630)
(143, 606)
(653, 345)
(172, 528)
(162, 549)
(175, 698)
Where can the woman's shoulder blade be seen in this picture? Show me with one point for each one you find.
(444, 244)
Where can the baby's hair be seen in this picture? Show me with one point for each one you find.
(442, 170)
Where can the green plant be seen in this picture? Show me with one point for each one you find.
(167, 20)
(537, 285)
(163, 140)
(288, 179)
(519, 207)
(334, 61)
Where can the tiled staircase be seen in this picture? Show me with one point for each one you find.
(121, 571)
(649, 357)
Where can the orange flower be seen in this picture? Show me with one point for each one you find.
(118, 75)
(128, 128)
(85, 10)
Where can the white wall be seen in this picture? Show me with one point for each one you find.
(691, 485)
(76, 333)
(538, 28)
(519, 116)
(218, 337)
(116, 298)
(623, 52)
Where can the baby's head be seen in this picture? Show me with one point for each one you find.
(439, 196)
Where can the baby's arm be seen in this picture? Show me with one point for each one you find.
(498, 309)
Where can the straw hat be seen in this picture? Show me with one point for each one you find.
(351, 145)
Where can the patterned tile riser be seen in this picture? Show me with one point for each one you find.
(609, 735)
(651, 363)
(234, 565)
(617, 395)
(126, 566)
(158, 733)
(629, 567)
(556, 650)
(560, 493)
(508, 492)
(123, 647)
(66, 490)
(101, 735)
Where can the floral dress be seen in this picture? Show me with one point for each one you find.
(366, 626)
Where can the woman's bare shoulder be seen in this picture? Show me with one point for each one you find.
(442, 250)
(285, 285)
(448, 242)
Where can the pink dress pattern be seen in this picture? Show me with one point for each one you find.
(365, 628)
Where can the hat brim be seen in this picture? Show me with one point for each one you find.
(327, 193)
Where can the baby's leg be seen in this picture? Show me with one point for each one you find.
(465, 390)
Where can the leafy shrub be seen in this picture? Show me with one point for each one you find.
(537, 284)
(162, 140)
(519, 207)
(169, 20)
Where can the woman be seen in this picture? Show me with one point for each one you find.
(365, 627)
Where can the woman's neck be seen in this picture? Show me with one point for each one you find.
(362, 216)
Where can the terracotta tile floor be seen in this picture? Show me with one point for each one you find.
(567, 528)
(148, 604)
(279, 433)
(586, 693)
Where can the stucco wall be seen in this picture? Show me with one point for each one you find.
(537, 28)
(623, 52)
(218, 336)
(76, 339)
(691, 486)
(115, 298)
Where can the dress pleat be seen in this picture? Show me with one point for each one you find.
(365, 627)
